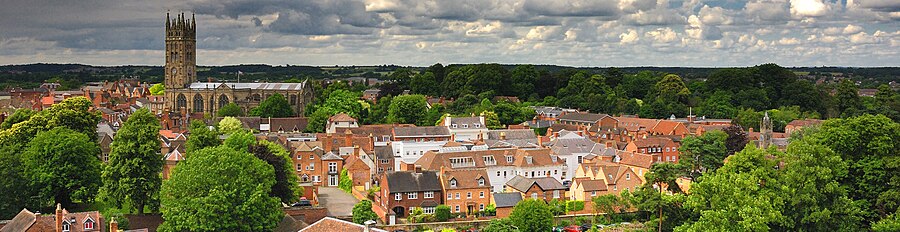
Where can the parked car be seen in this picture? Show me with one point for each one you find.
(573, 228)
(302, 203)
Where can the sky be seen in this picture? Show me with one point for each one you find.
(594, 33)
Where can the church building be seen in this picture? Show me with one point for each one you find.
(186, 95)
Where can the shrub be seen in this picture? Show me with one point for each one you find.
(442, 213)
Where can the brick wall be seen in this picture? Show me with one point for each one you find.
(309, 215)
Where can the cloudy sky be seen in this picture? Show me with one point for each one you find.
(602, 33)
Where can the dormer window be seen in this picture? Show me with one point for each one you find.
(89, 224)
(453, 126)
(477, 125)
(481, 181)
(465, 125)
(453, 183)
(528, 159)
(509, 159)
(66, 226)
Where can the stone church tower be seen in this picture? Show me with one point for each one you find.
(765, 131)
(181, 51)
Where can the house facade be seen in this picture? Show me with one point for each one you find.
(467, 191)
(401, 192)
(465, 128)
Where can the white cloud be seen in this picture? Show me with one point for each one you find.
(663, 35)
(714, 16)
(809, 8)
(629, 37)
(789, 41)
(852, 29)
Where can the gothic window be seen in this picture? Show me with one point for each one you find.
(223, 100)
(198, 103)
(256, 97)
(181, 102)
(293, 99)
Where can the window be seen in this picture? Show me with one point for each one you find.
(481, 207)
(316, 179)
(555, 172)
(563, 174)
(428, 210)
(509, 159)
(615, 188)
(469, 195)
(528, 159)
(593, 193)
(580, 159)
(504, 173)
(481, 181)
(449, 196)
(534, 196)
(667, 149)
(412, 195)
(489, 160)
(555, 194)
(312, 166)
(628, 176)
(299, 167)
(65, 227)
(457, 195)
(465, 125)
(429, 195)
(453, 183)
(498, 173)
(453, 126)
(89, 224)
(332, 167)
(398, 196)
(477, 125)
(457, 208)
(481, 194)
(385, 161)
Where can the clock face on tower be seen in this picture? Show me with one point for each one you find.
(174, 71)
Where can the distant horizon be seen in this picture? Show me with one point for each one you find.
(445, 64)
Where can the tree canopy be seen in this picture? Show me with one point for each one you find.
(230, 110)
(532, 215)
(132, 172)
(285, 187)
(63, 166)
(275, 106)
(201, 136)
(220, 189)
(408, 109)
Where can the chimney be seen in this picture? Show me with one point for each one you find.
(502, 135)
(751, 129)
(59, 217)
(356, 151)
(113, 225)
(372, 140)
(549, 131)
(328, 143)
(348, 137)
(540, 141)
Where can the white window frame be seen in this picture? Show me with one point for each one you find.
(627, 176)
(457, 208)
(481, 181)
(469, 195)
(555, 194)
(534, 196)
(398, 196)
(457, 195)
(428, 210)
(428, 195)
(481, 194)
(453, 183)
(412, 195)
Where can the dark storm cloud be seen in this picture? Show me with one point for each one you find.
(880, 5)
(298, 17)
(573, 8)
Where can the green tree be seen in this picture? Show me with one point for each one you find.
(362, 212)
(523, 79)
(74, 113)
(891, 223)
(407, 109)
(500, 225)
(608, 204)
(532, 215)
(285, 187)
(63, 166)
(718, 105)
(240, 140)
(344, 181)
(425, 84)
(230, 110)
(847, 99)
(19, 116)
(198, 198)
(737, 138)
(201, 136)
(132, 173)
(13, 182)
(275, 106)
(557, 207)
(442, 213)
(491, 120)
(703, 153)
(157, 89)
(379, 112)
(229, 125)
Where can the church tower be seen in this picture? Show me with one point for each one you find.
(181, 52)
(765, 131)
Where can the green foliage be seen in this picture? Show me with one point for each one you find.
(703, 153)
(608, 204)
(158, 89)
(285, 187)
(847, 99)
(362, 212)
(275, 106)
(532, 215)
(344, 181)
(338, 101)
(891, 223)
(240, 140)
(491, 120)
(201, 136)
(379, 112)
(229, 125)
(408, 109)
(230, 110)
(442, 213)
(19, 116)
(63, 166)
(500, 225)
(574, 206)
(416, 215)
(132, 172)
(198, 198)
(557, 207)
(73, 113)
(13, 182)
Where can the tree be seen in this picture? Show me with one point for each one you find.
(500, 225)
(425, 84)
(240, 140)
(200, 136)
(557, 207)
(407, 109)
(362, 212)
(157, 89)
(20, 115)
(891, 223)
(275, 106)
(718, 106)
(737, 138)
(847, 99)
(379, 112)
(344, 181)
(132, 173)
(532, 215)
(63, 166)
(198, 198)
(703, 153)
(608, 204)
(13, 182)
(230, 110)
(442, 213)
(491, 120)
(275, 155)
(74, 113)
(229, 125)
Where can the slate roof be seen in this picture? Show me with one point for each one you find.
(21, 222)
(471, 121)
(504, 200)
(256, 86)
(466, 179)
(582, 117)
(522, 184)
(404, 182)
(425, 131)
(384, 152)
(513, 138)
(287, 124)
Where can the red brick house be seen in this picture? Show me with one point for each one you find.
(403, 191)
(661, 148)
(468, 191)
(316, 165)
(61, 221)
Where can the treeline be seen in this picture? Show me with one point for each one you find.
(723, 93)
